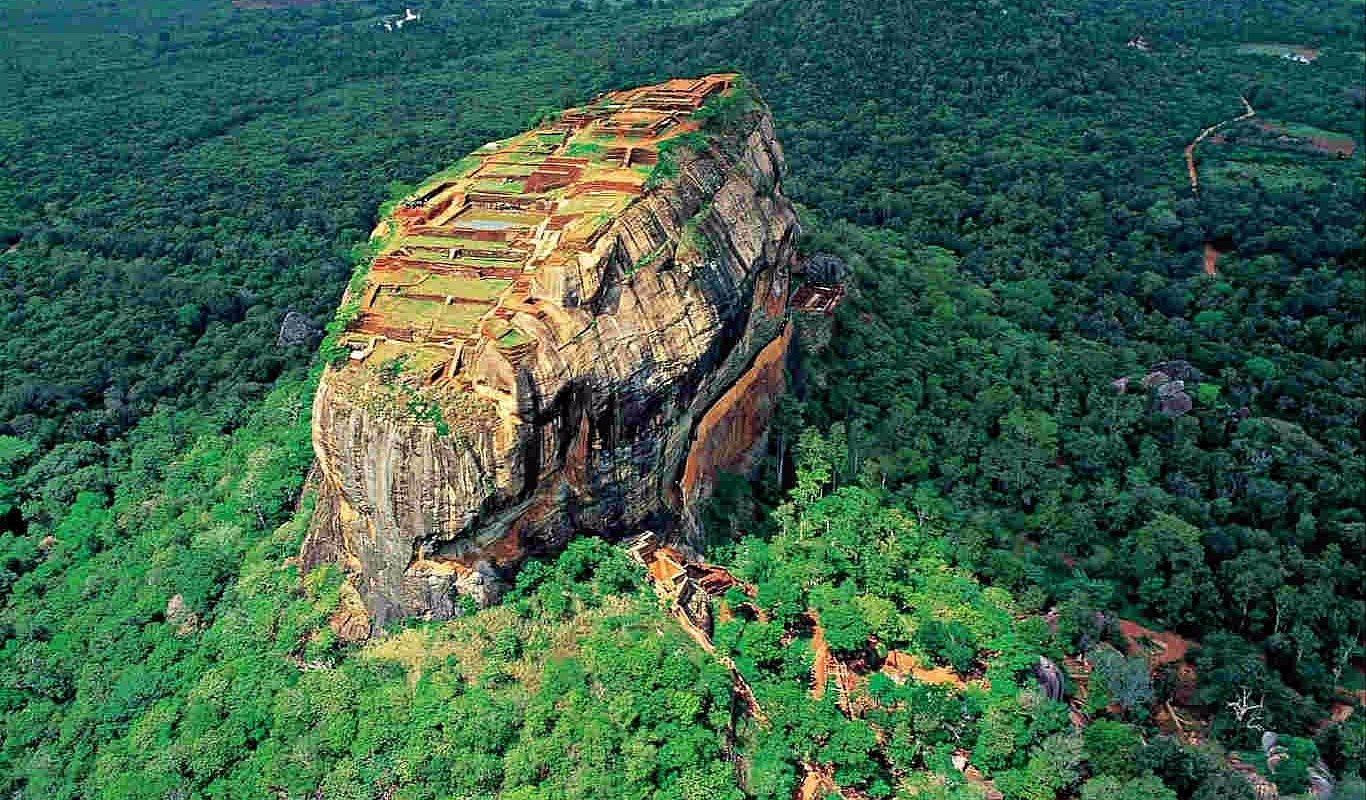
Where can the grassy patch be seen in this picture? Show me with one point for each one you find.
(487, 289)
(504, 187)
(1303, 131)
(692, 140)
(723, 111)
(647, 259)
(583, 150)
(407, 312)
(513, 337)
(469, 646)
(665, 170)
(1295, 136)
(523, 158)
(459, 169)
(1277, 49)
(476, 261)
(692, 244)
(437, 242)
(508, 171)
(1275, 176)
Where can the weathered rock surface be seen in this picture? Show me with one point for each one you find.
(654, 359)
(296, 329)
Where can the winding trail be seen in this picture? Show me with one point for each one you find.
(1190, 148)
(1211, 253)
(664, 566)
(738, 681)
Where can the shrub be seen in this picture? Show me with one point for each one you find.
(1110, 748)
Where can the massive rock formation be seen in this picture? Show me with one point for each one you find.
(570, 331)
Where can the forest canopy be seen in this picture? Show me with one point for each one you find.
(1042, 412)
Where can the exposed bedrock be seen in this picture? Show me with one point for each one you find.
(658, 359)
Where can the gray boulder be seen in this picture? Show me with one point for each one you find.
(296, 329)
(1176, 404)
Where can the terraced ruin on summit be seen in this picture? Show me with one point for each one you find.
(503, 234)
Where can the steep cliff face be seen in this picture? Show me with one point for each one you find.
(571, 331)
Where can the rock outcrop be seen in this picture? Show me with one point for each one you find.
(297, 329)
(570, 331)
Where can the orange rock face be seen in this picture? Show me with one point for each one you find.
(735, 426)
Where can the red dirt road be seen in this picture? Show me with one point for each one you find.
(1211, 259)
(1166, 648)
(1191, 172)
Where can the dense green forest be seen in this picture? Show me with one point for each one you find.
(982, 442)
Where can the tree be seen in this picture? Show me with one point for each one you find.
(1111, 747)
(1250, 580)
(1125, 681)
(1020, 458)
(1166, 560)
(1108, 787)
(950, 642)
(845, 629)
(13, 452)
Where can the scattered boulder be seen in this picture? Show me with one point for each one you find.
(1049, 678)
(1321, 783)
(186, 622)
(1168, 381)
(1171, 389)
(1155, 378)
(1275, 753)
(1179, 370)
(1275, 758)
(1176, 405)
(296, 329)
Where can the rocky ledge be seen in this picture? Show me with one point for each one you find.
(571, 331)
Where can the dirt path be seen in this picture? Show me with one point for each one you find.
(737, 680)
(1190, 148)
(1211, 259)
(818, 781)
(1211, 253)
(659, 572)
(820, 662)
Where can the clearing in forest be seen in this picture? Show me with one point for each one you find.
(264, 5)
(1290, 52)
(1298, 136)
(1275, 175)
(1281, 156)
